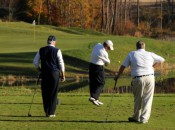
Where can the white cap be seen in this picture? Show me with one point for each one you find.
(110, 44)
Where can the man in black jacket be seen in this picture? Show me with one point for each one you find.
(52, 67)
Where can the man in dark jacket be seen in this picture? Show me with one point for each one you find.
(52, 67)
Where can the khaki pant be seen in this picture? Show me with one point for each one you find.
(143, 90)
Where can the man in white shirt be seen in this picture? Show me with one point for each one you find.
(52, 65)
(142, 65)
(99, 58)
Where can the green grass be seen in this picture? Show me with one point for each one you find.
(76, 112)
(20, 41)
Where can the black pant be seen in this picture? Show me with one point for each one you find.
(49, 87)
(96, 80)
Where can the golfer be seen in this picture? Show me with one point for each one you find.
(99, 58)
(142, 65)
(52, 67)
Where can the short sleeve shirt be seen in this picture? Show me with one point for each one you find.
(141, 62)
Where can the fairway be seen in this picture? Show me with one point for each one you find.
(77, 113)
(19, 43)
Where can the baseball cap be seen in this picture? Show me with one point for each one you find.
(51, 38)
(110, 44)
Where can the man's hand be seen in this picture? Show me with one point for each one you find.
(63, 79)
(116, 76)
(62, 76)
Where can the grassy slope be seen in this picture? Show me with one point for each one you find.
(20, 41)
(76, 112)
(17, 49)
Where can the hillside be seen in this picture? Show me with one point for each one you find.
(20, 41)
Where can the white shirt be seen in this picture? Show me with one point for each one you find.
(141, 62)
(36, 60)
(99, 55)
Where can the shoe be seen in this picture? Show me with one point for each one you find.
(131, 119)
(143, 122)
(51, 116)
(94, 101)
(100, 103)
(91, 99)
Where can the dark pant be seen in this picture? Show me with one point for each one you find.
(96, 80)
(49, 87)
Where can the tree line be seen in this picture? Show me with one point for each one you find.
(109, 16)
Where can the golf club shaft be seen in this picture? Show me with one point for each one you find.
(38, 79)
(32, 101)
(107, 113)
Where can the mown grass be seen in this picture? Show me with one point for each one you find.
(20, 41)
(76, 112)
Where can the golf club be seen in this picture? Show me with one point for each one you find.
(58, 101)
(29, 114)
(109, 106)
(39, 76)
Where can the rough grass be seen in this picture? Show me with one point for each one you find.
(76, 112)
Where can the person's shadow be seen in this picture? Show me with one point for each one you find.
(46, 119)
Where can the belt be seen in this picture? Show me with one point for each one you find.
(141, 76)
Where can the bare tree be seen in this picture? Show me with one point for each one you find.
(172, 14)
(10, 10)
(125, 9)
(48, 11)
(115, 17)
(92, 13)
(161, 17)
(107, 16)
(138, 20)
(102, 15)
(40, 7)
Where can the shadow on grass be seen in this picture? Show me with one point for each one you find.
(76, 30)
(82, 65)
(73, 86)
(17, 103)
(17, 64)
(49, 120)
(14, 63)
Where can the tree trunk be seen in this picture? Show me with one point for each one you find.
(102, 15)
(125, 11)
(48, 11)
(130, 9)
(10, 10)
(172, 14)
(92, 13)
(107, 17)
(115, 18)
(138, 20)
(40, 7)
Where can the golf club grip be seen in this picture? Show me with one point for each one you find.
(39, 76)
(37, 81)
(115, 85)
